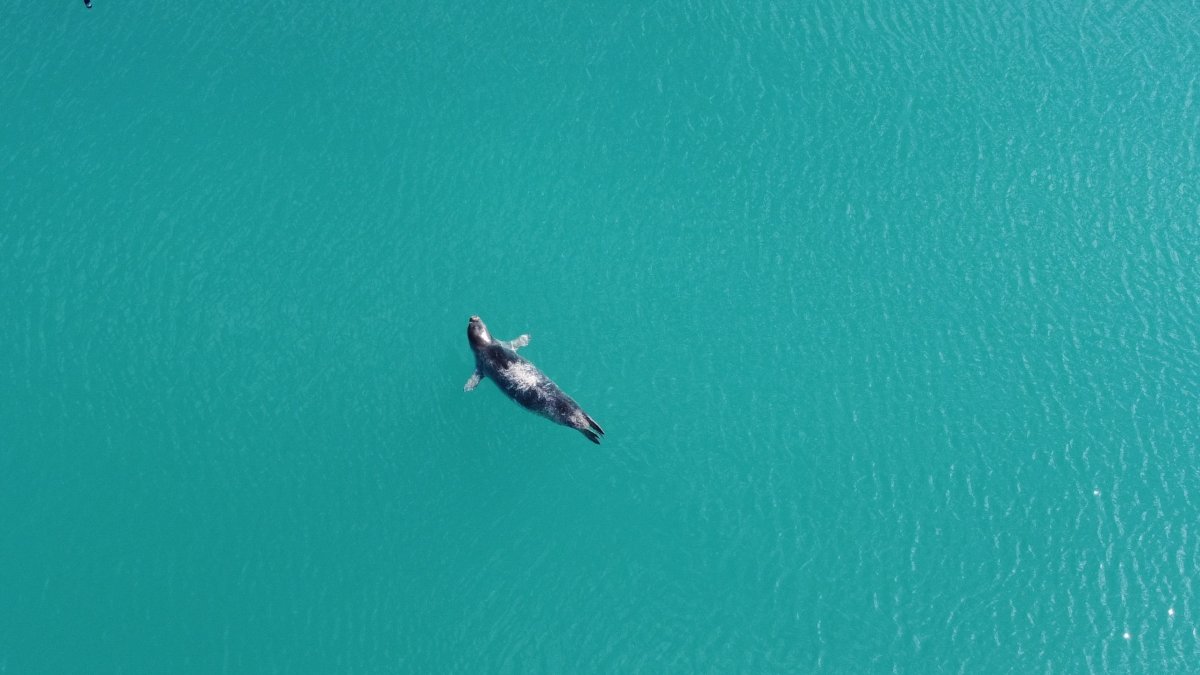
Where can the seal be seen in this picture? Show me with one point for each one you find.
(521, 381)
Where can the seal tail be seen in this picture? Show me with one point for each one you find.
(591, 436)
(593, 425)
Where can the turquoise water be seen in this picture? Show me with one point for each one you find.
(890, 314)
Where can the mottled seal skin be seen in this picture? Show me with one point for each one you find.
(498, 361)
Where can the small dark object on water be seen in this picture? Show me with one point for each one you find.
(87, 3)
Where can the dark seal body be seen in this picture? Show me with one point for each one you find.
(523, 382)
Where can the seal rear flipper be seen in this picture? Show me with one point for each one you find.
(591, 436)
(592, 424)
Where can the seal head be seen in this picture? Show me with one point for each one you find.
(477, 333)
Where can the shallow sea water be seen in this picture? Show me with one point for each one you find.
(890, 314)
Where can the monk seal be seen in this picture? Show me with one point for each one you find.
(521, 381)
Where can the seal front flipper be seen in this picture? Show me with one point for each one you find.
(517, 343)
(474, 381)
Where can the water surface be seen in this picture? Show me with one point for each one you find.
(889, 313)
